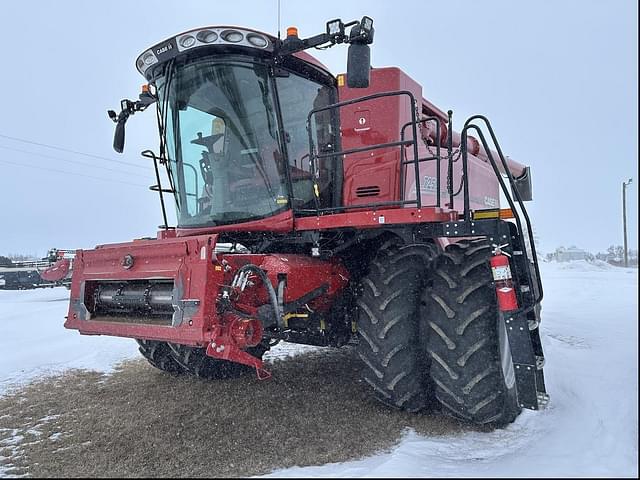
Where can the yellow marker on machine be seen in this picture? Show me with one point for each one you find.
(493, 213)
(287, 316)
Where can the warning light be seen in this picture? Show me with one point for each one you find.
(292, 32)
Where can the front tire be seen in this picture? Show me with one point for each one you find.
(196, 361)
(159, 355)
(471, 361)
(388, 326)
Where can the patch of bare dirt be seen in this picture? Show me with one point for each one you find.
(141, 422)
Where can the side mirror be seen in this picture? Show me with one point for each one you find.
(128, 108)
(118, 137)
(358, 65)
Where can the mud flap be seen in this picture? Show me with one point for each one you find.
(528, 360)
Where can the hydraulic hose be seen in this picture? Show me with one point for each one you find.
(270, 290)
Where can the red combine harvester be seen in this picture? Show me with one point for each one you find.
(327, 211)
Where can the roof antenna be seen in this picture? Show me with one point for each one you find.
(278, 20)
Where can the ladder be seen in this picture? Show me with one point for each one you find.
(521, 325)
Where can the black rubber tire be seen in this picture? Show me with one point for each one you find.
(470, 357)
(195, 360)
(159, 355)
(388, 326)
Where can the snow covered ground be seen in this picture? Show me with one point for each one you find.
(33, 341)
(590, 337)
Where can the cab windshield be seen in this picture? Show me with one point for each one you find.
(222, 143)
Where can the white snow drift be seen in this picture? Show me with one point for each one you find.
(590, 337)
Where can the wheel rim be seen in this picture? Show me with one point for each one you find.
(506, 361)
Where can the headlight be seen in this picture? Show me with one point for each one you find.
(257, 40)
(207, 36)
(232, 36)
(187, 41)
(149, 58)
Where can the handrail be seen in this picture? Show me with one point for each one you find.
(377, 146)
(313, 156)
(450, 158)
(160, 190)
(467, 126)
(437, 158)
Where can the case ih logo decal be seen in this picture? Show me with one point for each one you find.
(164, 49)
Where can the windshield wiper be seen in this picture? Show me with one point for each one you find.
(268, 107)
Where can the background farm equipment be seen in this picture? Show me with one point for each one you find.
(50, 271)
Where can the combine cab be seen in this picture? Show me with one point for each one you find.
(324, 210)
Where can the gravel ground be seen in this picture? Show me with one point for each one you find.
(141, 422)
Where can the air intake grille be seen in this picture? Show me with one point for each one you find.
(369, 191)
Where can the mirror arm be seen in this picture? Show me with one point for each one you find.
(128, 108)
(357, 35)
(284, 48)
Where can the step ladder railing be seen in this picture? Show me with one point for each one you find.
(525, 346)
(516, 212)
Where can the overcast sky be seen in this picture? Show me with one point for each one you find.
(558, 79)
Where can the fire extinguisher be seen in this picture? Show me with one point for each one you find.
(503, 280)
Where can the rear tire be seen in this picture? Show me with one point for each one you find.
(159, 355)
(196, 361)
(471, 362)
(388, 326)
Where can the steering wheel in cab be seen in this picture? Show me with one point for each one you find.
(210, 155)
(206, 170)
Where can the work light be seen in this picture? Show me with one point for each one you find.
(366, 24)
(232, 36)
(187, 41)
(207, 36)
(257, 40)
(335, 28)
